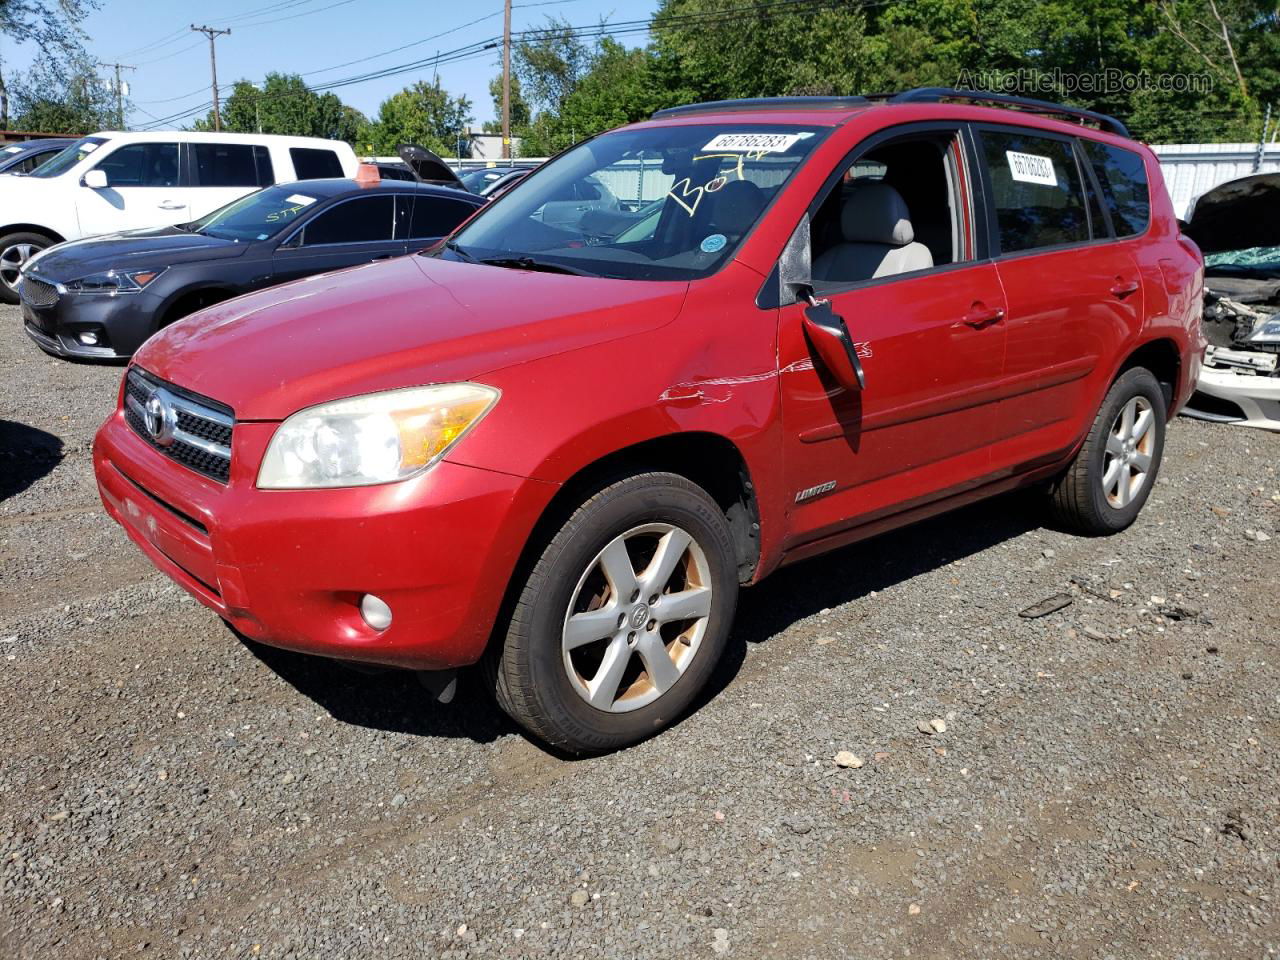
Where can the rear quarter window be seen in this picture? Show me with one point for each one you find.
(1036, 191)
(314, 163)
(1122, 175)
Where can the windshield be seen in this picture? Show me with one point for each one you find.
(1260, 260)
(660, 203)
(257, 216)
(68, 158)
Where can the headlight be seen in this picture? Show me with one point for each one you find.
(377, 438)
(114, 281)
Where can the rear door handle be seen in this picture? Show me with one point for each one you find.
(980, 316)
(1123, 288)
(170, 205)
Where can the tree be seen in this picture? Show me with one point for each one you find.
(51, 28)
(62, 98)
(285, 105)
(520, 112)
(550, 63)
(424, 113)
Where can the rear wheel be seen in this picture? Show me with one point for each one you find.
(15, 250)
(1111, 477)
(622, 618)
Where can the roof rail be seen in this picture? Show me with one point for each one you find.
(935, 94)
(756, 103)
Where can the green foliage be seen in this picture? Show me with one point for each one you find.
(424, 113)
(286, 106)
(520, 112)
(62, 98)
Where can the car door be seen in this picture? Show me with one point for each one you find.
(220, 172)
(930, 340)
(423, 218)
(1073, 294)
(144, 189)
(348, 232)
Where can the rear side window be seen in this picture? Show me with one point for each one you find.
(310, 163)
(363, 220)
(142, 165)
(428, 216)
(1123, 178)
(1036, 191)
(230, 165)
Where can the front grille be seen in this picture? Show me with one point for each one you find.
(193, 430)
(36, 292)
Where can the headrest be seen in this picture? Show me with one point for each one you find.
(874, 212)
(737, 204)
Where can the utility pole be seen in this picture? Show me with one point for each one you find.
(506, 80)
(211, 33)
(1262, 141)
(119, 90)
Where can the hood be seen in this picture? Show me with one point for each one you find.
(131, 250)
(1237, 215)
(396, 323)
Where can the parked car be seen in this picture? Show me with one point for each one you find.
(103, 297)
(1237, 225)
(563, 458)
(480, 180)
(18, 158)
(120, 181)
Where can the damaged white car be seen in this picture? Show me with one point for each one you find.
(1237, 226)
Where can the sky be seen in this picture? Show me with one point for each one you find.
(311, 37)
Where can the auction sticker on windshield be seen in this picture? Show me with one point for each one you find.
(1031, 168)
(755, 142)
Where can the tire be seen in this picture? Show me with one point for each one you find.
(16, 249)
(1089, 499)
(545, 670)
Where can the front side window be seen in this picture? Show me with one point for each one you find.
(363, 220)
(314, 164)
(1122, 175)
(227, 165)
(68, 158)
(258, 216)
(655, 203)
(1036, 191)
(141, 165)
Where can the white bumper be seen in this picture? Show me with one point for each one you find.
(1257, 397)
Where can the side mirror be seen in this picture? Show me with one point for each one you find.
(95, 179)
(830, 338)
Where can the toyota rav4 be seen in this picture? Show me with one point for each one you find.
(559, 443)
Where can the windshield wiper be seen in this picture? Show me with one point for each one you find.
(452, 245)
(529, 263)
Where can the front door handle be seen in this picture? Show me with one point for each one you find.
(1123, 288)
(171, 205)
(980, 315)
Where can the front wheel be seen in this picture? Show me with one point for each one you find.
(15, 250)
(1111, 477)
(622, 618)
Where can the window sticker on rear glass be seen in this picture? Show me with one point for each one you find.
(1031, 168)
(755, 142)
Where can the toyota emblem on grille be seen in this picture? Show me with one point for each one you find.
(159, 417)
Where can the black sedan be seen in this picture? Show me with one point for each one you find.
(26, 156)
(102, 297)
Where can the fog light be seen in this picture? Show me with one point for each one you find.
(376, 613)
(88, 338)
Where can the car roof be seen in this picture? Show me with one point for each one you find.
(188, 136)
(42, 144)
(331, 187)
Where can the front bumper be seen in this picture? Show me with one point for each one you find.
(122, 324)
(1256, 398)
(288, 568)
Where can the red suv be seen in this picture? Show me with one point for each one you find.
(676, 357)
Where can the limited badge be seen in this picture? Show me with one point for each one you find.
(714, 243)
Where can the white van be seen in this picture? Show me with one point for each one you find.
(120, 181)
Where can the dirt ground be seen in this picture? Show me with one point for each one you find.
(1105, 785)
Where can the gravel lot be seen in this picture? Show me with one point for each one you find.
(1105, 784)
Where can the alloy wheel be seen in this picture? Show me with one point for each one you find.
(1126, 461)
(637, 617)
(11, 261)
